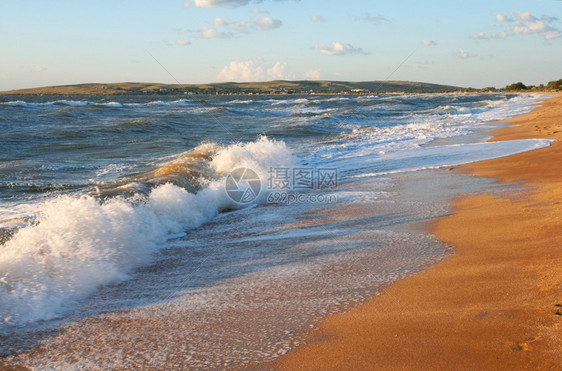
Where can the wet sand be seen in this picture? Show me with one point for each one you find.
(494, 305)
(295, 268)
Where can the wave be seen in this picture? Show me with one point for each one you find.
(290, 101)
(190, 170)
(81, 242)
(73, 103)
(82, 103)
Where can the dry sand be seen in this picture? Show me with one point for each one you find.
(494, 305)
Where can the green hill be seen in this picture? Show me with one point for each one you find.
(268, 87)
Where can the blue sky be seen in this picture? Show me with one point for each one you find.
(467, 43)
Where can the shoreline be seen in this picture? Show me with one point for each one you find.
(496, 303)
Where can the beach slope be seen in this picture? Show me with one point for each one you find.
(496, 304)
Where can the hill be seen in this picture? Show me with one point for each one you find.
(268, 87)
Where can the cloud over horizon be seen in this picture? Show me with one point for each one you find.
(241, 71)
(277, 72)
(338, 48)
(245, 71)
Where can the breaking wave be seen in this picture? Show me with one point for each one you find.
(78, 243)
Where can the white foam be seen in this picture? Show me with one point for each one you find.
(420, 129)
(21, 103)
(445, 156)
(179, 102)
(290, 101)
(111, 104)
(80, 103)
(80, 243)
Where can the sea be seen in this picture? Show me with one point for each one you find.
(198, 231)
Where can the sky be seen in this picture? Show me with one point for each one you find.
(472, 43)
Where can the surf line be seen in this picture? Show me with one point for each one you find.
(404, 308)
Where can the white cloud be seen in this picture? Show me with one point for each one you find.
(502, 18)
(254, 70)
(483, 36)
(214, 3)
(221, 22)
(219, 3)
(464, 54)
(38, 68)
(183, 42)
(317, 18)
(549, 35)
(523, 23)
(429, 43)
(312, 74)
(3, 75)
(266, 23)
(277, 72)
(213, 33)
(234, 26)
(338, 48)
(241, 71)
(529, 28)
(524, 16)
(226, 28)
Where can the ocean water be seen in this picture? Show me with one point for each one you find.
(191, 204)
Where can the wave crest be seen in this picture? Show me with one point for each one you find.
(82, 242)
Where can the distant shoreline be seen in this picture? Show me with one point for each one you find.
(278, 87)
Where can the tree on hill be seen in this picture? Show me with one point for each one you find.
(554, 85)
(517, 86)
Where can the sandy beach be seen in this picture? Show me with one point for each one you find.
(281, 185)
(495, 304)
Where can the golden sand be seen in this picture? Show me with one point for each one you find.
(494, 305)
